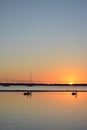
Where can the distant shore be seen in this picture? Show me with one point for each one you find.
(40, 84)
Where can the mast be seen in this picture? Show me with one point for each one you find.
(30, 78)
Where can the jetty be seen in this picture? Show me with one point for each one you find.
(30, 91)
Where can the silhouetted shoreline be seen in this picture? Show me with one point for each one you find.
(40, 84)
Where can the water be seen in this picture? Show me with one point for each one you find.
(44, 88)
(43, 111)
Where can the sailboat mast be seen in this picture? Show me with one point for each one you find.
(30, 78)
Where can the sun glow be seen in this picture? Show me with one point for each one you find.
(70, 83)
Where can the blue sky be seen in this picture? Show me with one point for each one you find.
(42, 36)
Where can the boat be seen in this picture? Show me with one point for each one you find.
(74, 93)
(27, 93)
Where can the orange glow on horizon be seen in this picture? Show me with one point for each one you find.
(70, 83)
(70, 75)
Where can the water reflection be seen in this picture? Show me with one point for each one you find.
(45, 111)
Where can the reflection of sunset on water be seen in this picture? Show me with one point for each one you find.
(42, 97)
(48, 109)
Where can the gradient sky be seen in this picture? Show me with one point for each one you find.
(47, 38)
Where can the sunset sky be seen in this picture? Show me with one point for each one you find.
(47, 38)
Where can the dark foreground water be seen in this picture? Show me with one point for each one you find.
(43, 111)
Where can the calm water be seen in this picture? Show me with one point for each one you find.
(44, 88)
(43, 111)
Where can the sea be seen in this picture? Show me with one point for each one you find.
(43, 110)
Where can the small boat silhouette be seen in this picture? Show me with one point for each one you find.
(27, 93)
(74, 93)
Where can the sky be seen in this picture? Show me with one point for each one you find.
(45, 38)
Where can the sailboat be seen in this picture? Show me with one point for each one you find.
(30, 84)
(27, 93)
(74, 93)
